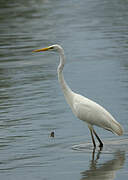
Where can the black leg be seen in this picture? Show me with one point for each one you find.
(101, 144)
(93, 140)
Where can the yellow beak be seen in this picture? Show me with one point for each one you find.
(42, 49)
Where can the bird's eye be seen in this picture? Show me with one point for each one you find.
(51, 47)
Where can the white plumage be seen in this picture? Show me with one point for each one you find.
(84, 108)
(94, 114)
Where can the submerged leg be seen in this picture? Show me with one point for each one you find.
(101, 144)
(91, 131)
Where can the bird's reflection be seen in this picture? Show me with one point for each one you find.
(97, 155)
(104, 170)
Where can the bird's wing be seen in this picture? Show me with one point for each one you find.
(85, 109)
(94, 114)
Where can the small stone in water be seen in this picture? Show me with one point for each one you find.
(52, 134)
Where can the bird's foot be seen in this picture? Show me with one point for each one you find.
(101, 146)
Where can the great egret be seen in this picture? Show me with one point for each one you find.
(84, 108)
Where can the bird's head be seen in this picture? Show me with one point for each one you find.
(54, 47)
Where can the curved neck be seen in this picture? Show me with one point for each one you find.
(66, 90)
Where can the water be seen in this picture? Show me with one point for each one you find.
(95, 38)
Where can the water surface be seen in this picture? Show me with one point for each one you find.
(95, 38)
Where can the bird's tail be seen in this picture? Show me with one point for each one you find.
(117, 128)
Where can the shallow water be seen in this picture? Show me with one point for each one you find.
(95, 38)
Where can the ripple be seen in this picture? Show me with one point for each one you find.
(110, 146)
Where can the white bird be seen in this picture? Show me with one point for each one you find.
(84, 108)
